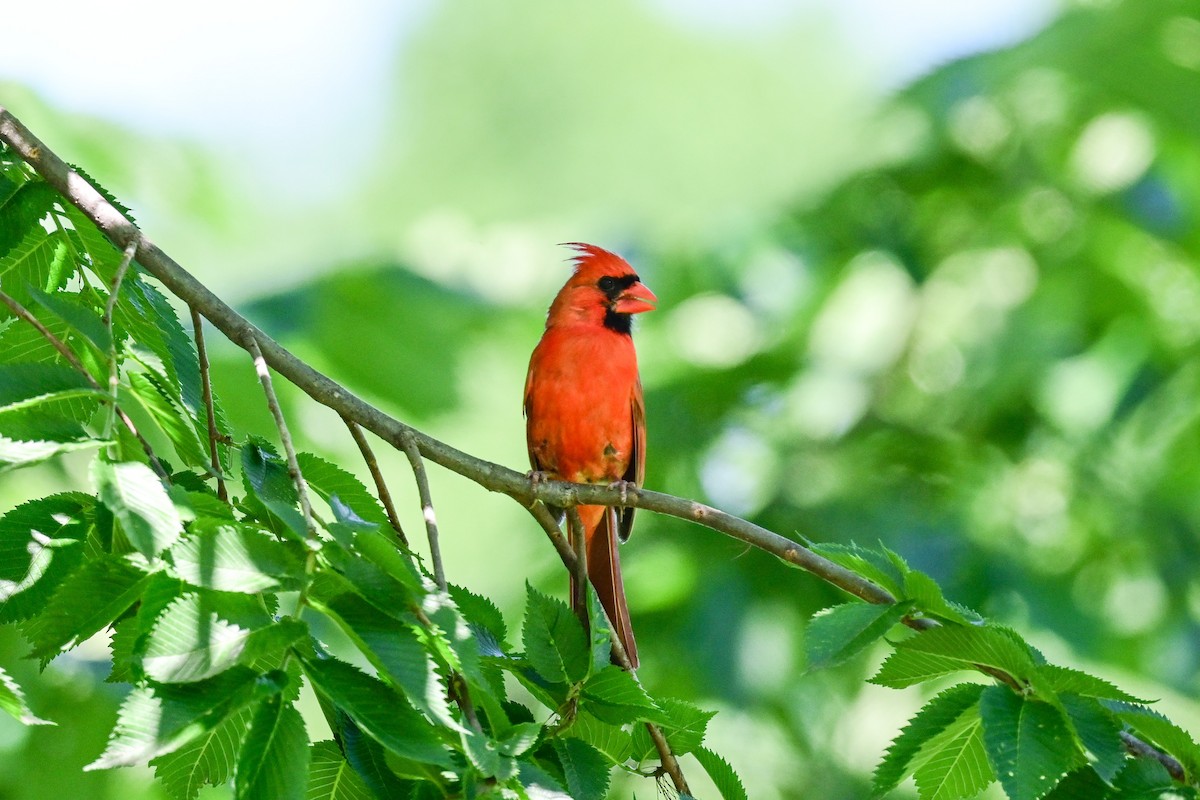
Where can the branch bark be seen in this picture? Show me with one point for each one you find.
(494, 477)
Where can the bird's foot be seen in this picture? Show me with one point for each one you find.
(624, 487)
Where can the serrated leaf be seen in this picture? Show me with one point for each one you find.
(1028, 743)
(1163, 732)
(40, 543)
(870, 564)
(1082, 784)
(1098, 731)
(12, 701)
(79, 315)
(139, 501)
(265, 476)
(30, 263)
(953, 764)
(612, 695)
(158, 341)
(207, 760)
(154, 722)
(173, 420)
(723, 777)
(329, 480)
(485, 755)
(924, 592)
(841, 632)
(585, 768)
(480, 611)
(957, 647)
(192, 640)
(904, 668)
(26, 384)
(932, 719)
(378, 711)
(684, 726)
(234, 557)
(87, 601)
(273, 763)
(330, 776)
(612, 740)
(22, 211)
(391, 648)
(369, 760)
(555, 644)
(1146, 779)
(23, 452)
(1071, 681)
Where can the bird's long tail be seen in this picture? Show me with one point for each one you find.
(604, 569)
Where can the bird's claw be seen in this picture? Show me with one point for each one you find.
(623, 487)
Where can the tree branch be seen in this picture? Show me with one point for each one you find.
(427, 511)
(120, 231)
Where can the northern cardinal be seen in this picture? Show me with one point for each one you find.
(585, 418)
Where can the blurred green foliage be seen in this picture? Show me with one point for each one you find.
(979, 347)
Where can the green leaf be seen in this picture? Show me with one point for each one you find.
(156, 721)
(330, 776)
(1147, 779)
(328, 480)
(25, 384)
(614, 742)
(1028, 743)
(1065, 680)
(266, 477)
(12, 701)
(684, 727)
(158, 340)
(235, 557)
(207, 760)
(31, 264)
(838, 633)
(486, 757)
(379, 711)
(1098, 731)
(22, 212)
(613, 696)
(87, 601)
(273, 764)
(1159, 730)
(950, 648)
(192, 640)
(870, 564)
(480, 612)
(555, 644)
(391, 648)
(369, 760)
(938, 714)
(584, 767)
(924, 592)
(1082, 784)
(137, 499)
(23, 452)
(173, 420)
(723, 777)
(953, 764)
(79, 315)
(40, 543)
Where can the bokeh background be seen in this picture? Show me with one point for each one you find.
(929, 272)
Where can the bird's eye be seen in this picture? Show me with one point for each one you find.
(607, 283)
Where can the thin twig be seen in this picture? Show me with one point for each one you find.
(381, 489)
(114, 374)
(431, 529)
(209, 412)
(579, 578)
(285, 437)
(25, 314)
(119, 230)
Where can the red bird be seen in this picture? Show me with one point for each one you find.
(585, 420)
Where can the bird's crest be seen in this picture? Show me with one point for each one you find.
(590, 259)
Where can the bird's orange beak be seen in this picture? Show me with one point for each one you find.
(636, 299)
